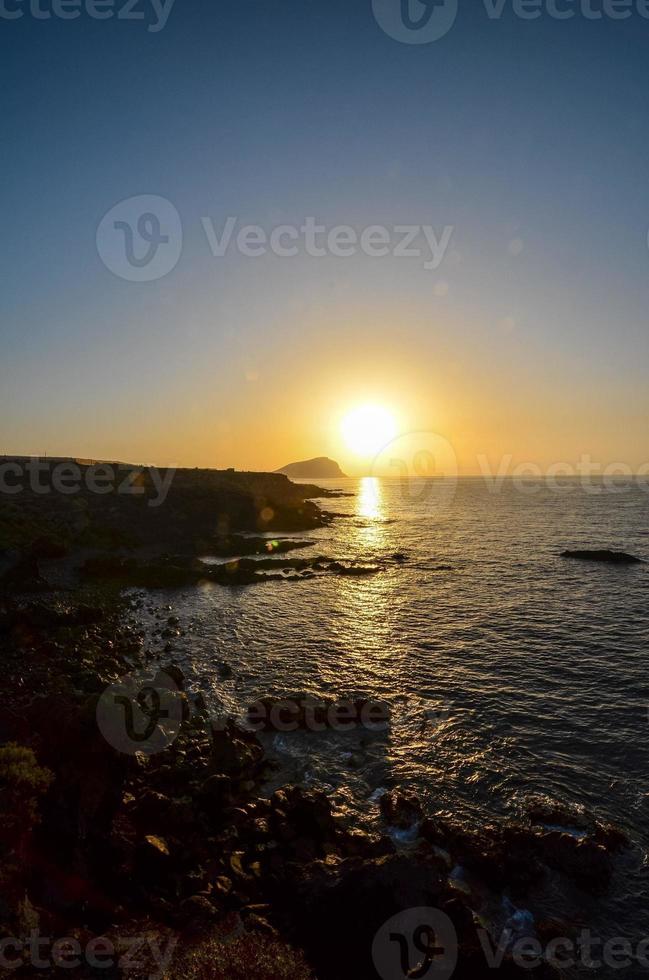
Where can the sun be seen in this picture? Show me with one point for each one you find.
(368, 429)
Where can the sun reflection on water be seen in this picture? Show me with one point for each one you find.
(370, 498)
(370, 509)
(364, 602)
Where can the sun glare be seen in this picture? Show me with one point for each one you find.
(368, 429)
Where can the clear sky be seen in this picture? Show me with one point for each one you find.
(529, 138)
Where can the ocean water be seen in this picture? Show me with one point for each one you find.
(511, 672)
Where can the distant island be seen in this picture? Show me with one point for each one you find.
(321, 467)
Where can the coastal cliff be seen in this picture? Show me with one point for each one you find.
(132, 507)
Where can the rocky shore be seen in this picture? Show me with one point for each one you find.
(117, 506)
(185, 845)
(171, 835)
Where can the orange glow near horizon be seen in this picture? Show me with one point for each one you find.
(289, 402)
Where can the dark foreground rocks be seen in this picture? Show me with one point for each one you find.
(514, 857)
(186, 844)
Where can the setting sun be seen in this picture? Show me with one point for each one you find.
(368, 429)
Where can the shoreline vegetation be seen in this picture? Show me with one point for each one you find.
(184, 847)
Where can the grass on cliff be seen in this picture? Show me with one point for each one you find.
(22, 783)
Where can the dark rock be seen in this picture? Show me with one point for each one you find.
(175, 674)
(584, 861)
(305, 813)
(24, 576)
(48, 548)
(358, 843)
(609, 557)
(257, 923)
(503, 857)
(153, 861)
(223, 886)
(150, 810)
(400, 809)
(197, 913)
(181, 818)
(354, 901)
(611, 837)
(553, 813)
(353, 906)
(89, 615)
(353, 570)
(215, 794)
(235, 751)
(514, 857)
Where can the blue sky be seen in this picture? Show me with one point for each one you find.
(533, 132)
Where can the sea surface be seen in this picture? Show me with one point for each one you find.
(511, 672)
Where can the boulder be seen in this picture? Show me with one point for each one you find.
(585, 861)
(235, 752)
(306, 813)
(197, 913)
(400, 809)
(153, 862)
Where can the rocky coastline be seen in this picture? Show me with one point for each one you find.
(186, 845)
(183, 845)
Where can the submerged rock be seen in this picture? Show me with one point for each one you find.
(224, 670)
(608, 557)
(173, 571)
(547, 812)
